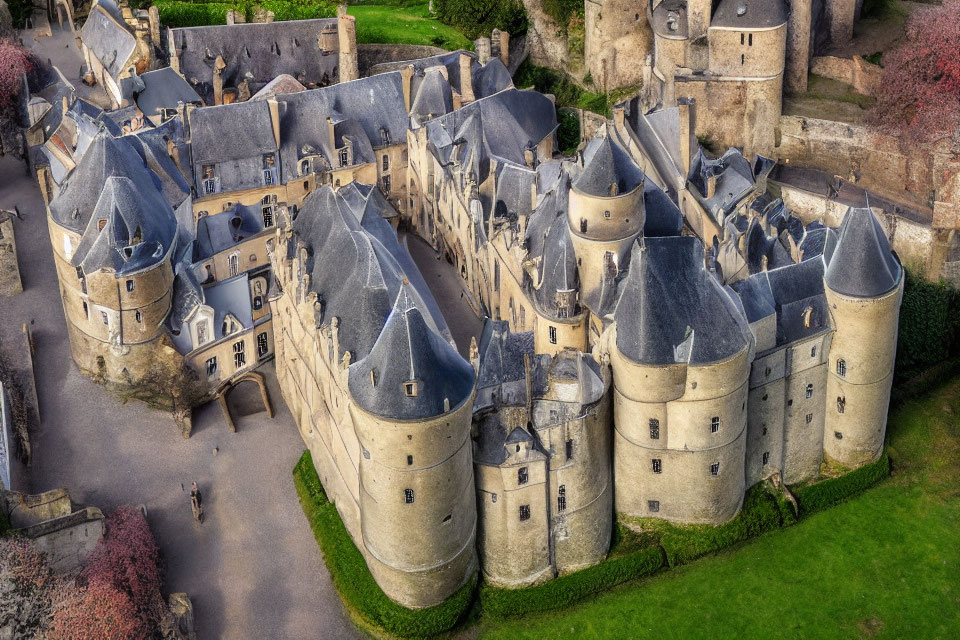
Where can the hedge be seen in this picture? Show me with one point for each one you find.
(826, 493)
(351, 576)
(929, 329)
(570, 588)
(190, 14)
(477, 18)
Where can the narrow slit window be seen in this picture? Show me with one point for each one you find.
(409, 461)
(569, 449)
(553, 335)
(841, 367)
(562, 498)
(408, 496)
(841, 404)
(657, 465)
(715, 469)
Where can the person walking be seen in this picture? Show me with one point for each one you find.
(196, 503)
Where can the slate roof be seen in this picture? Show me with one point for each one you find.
(750, 14)
(671, 310)
(501, 353)
(862, 265)
(258, 52)
(605, 164)
(227, 297)
(283, 83)
(222, 231)
(138, 231)
(433, 98)
(486, 80)
(231, 132)
(670, 12)
(735, 180)
(408, 350)
(787, 291)
(164, 89)
(109, 39)
(662, 217)
(358, 269)
(151, 145)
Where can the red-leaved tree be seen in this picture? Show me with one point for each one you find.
(98, 611)
(920, 92)
(128, 560)
(26, 588)
(14, 62)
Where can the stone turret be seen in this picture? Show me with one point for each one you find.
(863, 283)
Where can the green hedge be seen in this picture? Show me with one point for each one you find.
(682, 544)
(816, 497)
(190, 14)
(929, 324)
(477, 18)
(352, 577)
(570, 588)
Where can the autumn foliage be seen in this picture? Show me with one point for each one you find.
(14, 62)
(920, 96)
(95, 612)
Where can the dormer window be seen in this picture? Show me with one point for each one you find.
(411, 389)
(210, 182)
(269, 169)
(344, 157)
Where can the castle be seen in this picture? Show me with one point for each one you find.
(661, 333)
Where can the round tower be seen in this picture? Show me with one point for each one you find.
(863, 283)
(680, 353)
(605, 214)
(412, 406)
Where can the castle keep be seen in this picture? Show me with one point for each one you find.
(660, 332)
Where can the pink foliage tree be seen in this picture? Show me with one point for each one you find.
(98, 611)
(14, 62)
(920, 96)
(128, 560)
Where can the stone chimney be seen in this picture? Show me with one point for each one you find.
(505, 48)
(688, 141)
(406, 77)
(711, 186)
(153, 16)
(172, 48)
(347, 36)
(332, 140)
(482, 47)
(218, 66)
(275, 118)
(466, 79)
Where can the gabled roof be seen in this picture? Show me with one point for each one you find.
(109, 39)
(224, 230)
(164, 89)
(787, 292)
(862, 265)
(671, 310)
(231, 132)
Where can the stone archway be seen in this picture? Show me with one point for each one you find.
(251, 376)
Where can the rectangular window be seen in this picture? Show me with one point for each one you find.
(212, 367)
(714, 424)
(344, 157)
(257, 303)
(809, 418)
(105, 318)
(524, 512)
(267, 212)
(841, 404)
(715, 469)
(522, 476)
(653, 506)
(409, 461)
(841, 367)
(130, 285)
(385, 162)
(410, 389)
(569, 449)
(809, 390)
(386, 184)
(813, 352)
(408, 496)
(239, 356)
(562, 498)
(139, 317)
(233, 264)
(263, 344)
(657, 465)
(766, 457)
(654, 429)
(553, 335)
(496, 276)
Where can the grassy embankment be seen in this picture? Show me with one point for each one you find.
(884, 564)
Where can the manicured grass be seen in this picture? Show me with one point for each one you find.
(884, 564)
(405, 25)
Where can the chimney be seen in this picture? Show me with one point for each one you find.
(529, 157)
(505, 48)
(347, 36)
(687, 115)
(406, 76)
(153, 16)
(332, 140)
(218, 66)
(618, 117)
(172, 48)
(482, 46)
(466, 79)
(711, 186)
(275, 119)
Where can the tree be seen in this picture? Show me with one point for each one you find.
(26, 588)
(95, 612)
(14, 62)
(920, 100)
(128, 561)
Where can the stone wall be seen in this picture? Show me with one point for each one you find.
(10, 284)
(546, 38)
(68, 540)
(863, 76)
(371, 55)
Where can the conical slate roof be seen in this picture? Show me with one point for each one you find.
(862, 264)
(606, 165)
(671, 310)
(409, 352)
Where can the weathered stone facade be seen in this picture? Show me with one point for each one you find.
(10, 284)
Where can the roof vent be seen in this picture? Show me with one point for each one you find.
(741, 10)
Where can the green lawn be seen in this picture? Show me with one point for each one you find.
(405, 25)
(885, 564)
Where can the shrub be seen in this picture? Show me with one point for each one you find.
(573, 587)
(26, 587)
(477, 18)
(96, 612)
(929, 329)
(818, 496)
(567, 93)
(682, 544)
(188, 14)
(568, 133)
(14, 62)
(127, 559)
(352, 578)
